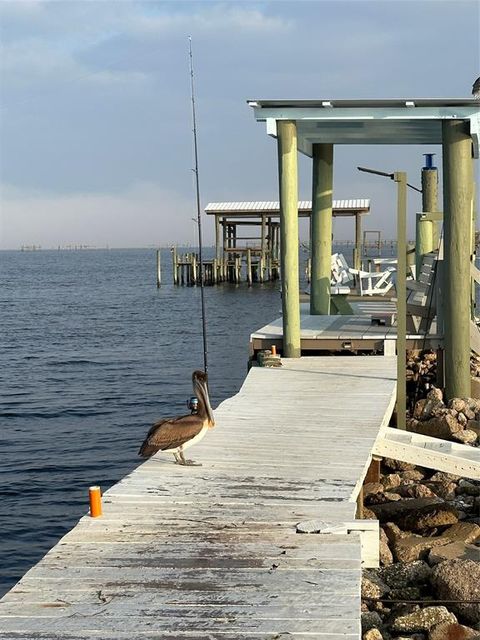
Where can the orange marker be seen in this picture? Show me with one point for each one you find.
(274, 350)
(95, 501)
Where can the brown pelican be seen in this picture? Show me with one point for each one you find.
(174, 435)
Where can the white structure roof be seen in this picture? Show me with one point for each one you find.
(272, 208)
(402, 121)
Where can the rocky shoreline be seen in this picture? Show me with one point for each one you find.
(428, 583)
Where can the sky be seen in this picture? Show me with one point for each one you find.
(95, 111)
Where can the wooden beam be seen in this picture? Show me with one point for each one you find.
(432, 453)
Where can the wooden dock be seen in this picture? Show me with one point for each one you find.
(345, 333)
(212, 552)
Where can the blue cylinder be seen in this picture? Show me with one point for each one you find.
(429, 161)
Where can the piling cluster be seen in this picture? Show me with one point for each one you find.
(247, 267)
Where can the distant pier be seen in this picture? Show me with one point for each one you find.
(256, 257)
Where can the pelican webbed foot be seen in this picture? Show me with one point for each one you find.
(192, 463)
(180, 459)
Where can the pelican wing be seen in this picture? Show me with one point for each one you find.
(171, 433)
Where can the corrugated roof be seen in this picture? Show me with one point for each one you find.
(361, 205)
(395, 103)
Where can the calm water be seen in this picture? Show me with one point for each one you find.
(91, 354)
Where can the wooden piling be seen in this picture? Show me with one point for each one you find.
(457, 199)
(159, 269)
(218, 249)
(322, 190)
(430, 199)
(194, 270)
(263, 247)
(249, 267)
(288, 186)
(357, 251)
(308, 273)
(424, 240)
(400, 178)
(238, 269)
(174, 265)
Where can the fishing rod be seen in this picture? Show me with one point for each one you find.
(199, 217)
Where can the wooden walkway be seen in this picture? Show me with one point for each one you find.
(212, 552)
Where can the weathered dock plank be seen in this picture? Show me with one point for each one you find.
(212, 551)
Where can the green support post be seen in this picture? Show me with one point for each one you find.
(321, 229)
(473, 300)
(357, 251)
(430, 199)
(457, 200)
(424, 240)
(288, 186)
(400, 177)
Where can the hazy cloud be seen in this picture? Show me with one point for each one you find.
(96, 219)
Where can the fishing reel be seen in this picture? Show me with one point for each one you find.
(192, 404)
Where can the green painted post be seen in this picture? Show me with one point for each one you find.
(424, 240)
(457, 201)
(288, 187)
(430, 199)
(473, 247)
(321, 229)
(400, 178)
(357, 252)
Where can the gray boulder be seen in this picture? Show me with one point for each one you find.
(415, 491)
(386, 556)
(442, 426)
(467, 436)
(454, 551)
(393, 511)
(459, 580)
(453, 631)
(412, 547)
(372, 487)
(373, 586)
(468, 488)
(393, 532)
(421, 620)
(405, 574)
(371, 620)
(428, 517)
(372, 634)
(412, 474)
(397, 465)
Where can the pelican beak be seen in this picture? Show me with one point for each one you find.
(201, 388)
(208, 407)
